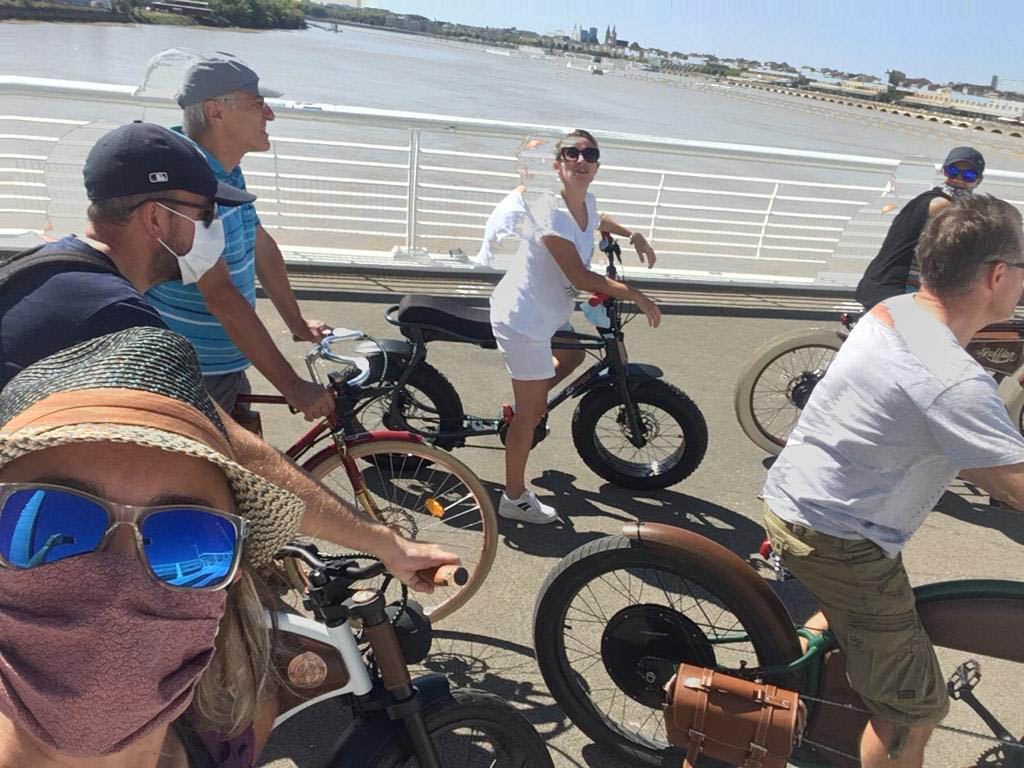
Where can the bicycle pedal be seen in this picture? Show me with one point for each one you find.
(965, 678)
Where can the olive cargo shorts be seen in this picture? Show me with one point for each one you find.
(869, 604)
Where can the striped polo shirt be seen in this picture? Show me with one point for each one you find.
(182, 306)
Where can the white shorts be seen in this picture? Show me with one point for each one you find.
(526, 359)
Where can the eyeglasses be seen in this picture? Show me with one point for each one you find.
(207, 213)
(182, 546)
(590, 154)
(962, 173)
(1018, 264)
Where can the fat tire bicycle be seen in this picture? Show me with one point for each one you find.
(357, 648)
(396, 478)
(616, 617)
(630, 427)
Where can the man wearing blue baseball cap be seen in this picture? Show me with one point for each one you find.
(226, 116)
(152, 217)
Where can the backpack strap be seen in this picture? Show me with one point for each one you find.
(20, 262)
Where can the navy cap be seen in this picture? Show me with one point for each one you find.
(140, 158)
(966, 155)
(213, 77)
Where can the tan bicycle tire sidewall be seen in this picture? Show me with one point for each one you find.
(440, 457)
(763, 356)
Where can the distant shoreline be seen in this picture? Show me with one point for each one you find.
(65, 15)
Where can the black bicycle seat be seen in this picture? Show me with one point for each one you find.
(438, 318)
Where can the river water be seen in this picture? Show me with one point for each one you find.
(363, 210)
(377, 69)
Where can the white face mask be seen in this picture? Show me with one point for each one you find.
(207, 246)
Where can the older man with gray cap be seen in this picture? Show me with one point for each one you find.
(895, 270)
(226, 116)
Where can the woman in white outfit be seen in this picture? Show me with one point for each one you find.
(535, 298)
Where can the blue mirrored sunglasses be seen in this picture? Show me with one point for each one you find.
(182, 547)
(961, 173)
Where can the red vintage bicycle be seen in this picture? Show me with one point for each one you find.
(393, 477)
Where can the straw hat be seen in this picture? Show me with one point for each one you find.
(141, 386)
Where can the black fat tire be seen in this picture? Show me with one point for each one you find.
(471, 708)
(431, 384)
(773, 643)
(655, 392)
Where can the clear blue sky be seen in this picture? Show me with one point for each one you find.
(943, 40)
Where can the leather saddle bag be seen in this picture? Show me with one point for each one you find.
(739, 722)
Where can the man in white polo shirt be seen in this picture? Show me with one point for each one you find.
(902, 411)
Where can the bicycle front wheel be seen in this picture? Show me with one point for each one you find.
(427, 495)
(614, 620)
(472, 730)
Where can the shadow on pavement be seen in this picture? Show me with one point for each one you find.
(959, 504)
(730, 529)
(501, 667)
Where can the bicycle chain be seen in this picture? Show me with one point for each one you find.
(940, 727)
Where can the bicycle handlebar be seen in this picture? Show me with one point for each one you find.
(322, 351)
(440, 576)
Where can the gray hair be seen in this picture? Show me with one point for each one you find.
(966, 234)
(116, 211)
(193, 118)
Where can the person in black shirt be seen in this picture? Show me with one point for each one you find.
(894, 270)
(152, 197)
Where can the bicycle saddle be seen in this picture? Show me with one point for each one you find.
(437, 318)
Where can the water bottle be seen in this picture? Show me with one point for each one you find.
(596, 312)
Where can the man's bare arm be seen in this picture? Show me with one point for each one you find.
(250, 335)
(329, 517)
(1003, 483)
(273, 276)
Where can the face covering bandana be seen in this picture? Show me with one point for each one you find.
(94, 655)
(956, 192)
(207, 246)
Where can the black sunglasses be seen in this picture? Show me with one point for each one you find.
(590, 154)
(207, 213)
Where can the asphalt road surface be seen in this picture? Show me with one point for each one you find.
(487, 644)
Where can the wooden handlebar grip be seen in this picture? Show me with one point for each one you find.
(445, 576)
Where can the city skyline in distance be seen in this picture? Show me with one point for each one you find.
(944, 40)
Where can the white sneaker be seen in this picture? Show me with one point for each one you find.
(527, 508)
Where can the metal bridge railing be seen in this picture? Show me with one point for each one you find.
(382, 188)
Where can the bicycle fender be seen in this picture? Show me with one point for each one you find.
(364, 736)
(398, 352)
(635, 372)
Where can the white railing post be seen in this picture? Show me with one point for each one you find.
(764, 224)
(657, 204)
(414, 162)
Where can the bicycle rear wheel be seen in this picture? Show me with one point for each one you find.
(474, 730)
(426, 495)
(773, 390)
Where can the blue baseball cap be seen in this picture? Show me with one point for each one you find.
(140, 158)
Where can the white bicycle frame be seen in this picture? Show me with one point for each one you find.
(343, 640)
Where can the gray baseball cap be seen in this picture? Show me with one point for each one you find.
(213, 77)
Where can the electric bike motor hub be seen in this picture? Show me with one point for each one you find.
(643, 645)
